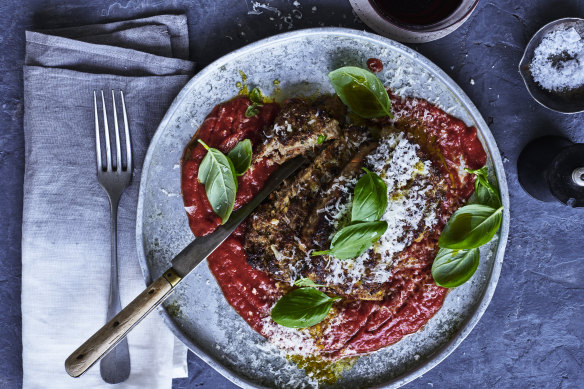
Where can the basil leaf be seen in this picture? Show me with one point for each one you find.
(256, 96)
(361, 91)
(217, 173)
(256, 99)
(452, 268)
(306, 282)
(252, 110)
(240, 155)
(482, 172)
(471, 226)
(355, 239)
(486, 196)
(302, 308)
(320, 140)
(468, 228)
(485, 192)
(370, 199)
(233, 173)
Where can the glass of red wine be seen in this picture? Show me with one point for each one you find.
(416, 13)
(414, 21)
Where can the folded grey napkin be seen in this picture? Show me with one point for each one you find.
(138, 34)
(65, 231)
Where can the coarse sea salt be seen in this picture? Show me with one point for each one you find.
(558, 61)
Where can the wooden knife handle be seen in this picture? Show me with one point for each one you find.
(106, 338)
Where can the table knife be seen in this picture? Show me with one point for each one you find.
(106, 338)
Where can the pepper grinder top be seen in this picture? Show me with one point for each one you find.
(551, 168)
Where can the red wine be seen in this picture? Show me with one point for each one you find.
(416, 12)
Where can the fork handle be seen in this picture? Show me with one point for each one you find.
(114, 305)
(106, 338)
(115, 366)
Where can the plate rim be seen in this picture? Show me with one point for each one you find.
(485, 298)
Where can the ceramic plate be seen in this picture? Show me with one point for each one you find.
(197, 313)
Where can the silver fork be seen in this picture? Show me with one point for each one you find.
(115, 366)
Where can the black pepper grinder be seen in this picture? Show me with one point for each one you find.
(551, 168)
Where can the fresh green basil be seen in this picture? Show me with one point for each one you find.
(471, 226)
(369, 204)
(321, 138)
(468, 228)
(452, 268)
(302, 308)
(256, 96)
(256, 99)
(306, 282)
(370, 199)
(252, 110)
(240, 155)
(217, 173)
(485, 192)
(355, 239)
(361, 91)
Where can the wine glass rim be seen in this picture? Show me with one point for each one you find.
(442, 24)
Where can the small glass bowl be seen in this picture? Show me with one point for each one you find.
(409, 33)
(564, 102)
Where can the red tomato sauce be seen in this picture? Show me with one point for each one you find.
(366, 326)
(222, 129)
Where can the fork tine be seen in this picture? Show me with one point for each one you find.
(97, 138)
(118, 153)
(108, 149)
(127, 133)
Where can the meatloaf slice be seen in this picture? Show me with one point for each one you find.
(333, 106)
(296, 130)
(273, 241)
(332, 211)
(415, 190)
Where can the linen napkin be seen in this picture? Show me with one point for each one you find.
(66, 216)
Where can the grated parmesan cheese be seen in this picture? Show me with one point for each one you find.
(295, 341)
(409, 188)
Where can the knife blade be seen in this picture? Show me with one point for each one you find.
(106, 338)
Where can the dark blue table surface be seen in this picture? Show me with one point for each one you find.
(531, 335)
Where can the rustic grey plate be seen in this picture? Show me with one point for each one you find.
(197, 312)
